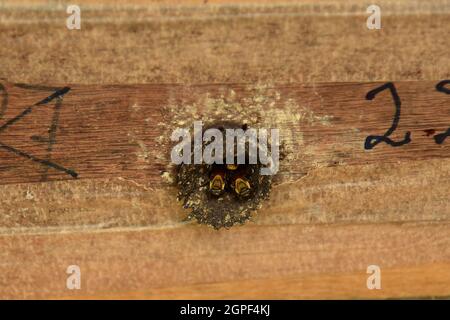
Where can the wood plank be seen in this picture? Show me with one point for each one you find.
(322, 261)
(124, 131)
(333, 120)
(328, 217)
(305, 41)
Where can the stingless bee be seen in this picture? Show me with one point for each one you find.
(232, 175)
(217, 181)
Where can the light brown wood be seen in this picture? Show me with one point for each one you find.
(266, 262)
(335, 208)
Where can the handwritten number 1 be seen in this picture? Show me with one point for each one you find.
(440, 138)
(372, 140)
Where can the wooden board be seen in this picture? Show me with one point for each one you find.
(300, 66)
(125, 131)
(111, 134)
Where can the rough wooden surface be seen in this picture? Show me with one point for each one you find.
(335, 208)
(304, 41)
(111, 134)
(124, 131)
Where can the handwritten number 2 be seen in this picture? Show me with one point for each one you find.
(439, 138)
(372, 140)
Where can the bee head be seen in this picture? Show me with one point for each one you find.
(216, 185)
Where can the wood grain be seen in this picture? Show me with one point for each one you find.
(124, 131)
(333, 120)
(334, 209)
(195, 262)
